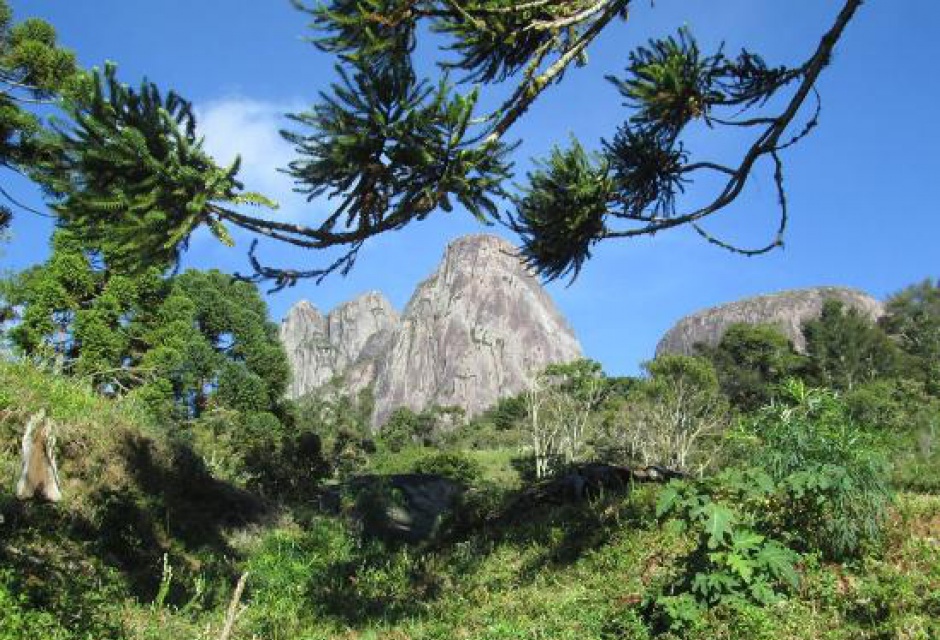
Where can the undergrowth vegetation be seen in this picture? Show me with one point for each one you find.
(748, 491)
(796, 538)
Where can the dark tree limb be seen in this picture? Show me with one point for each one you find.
(768, 143)
(536, 86)
(582, 23)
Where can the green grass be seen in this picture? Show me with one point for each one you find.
(496, 464)
(91, 567)
(530, 579)
(131, 496)
(574, 573)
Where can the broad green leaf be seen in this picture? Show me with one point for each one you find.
(779, 561)
(667, 500)
(745, 539)
(740, 565)
(719, 519)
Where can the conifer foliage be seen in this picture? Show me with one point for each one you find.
(132, 178)
(389, 147)
(390, 150)
(186, 344)
(34, 69)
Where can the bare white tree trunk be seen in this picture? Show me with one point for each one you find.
(669, 428)
(559, 419)
(39, 476)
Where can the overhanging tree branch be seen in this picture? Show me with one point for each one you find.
(528, 94)
(388, 148)
(767, 142)
(644, 169)
(363, 224)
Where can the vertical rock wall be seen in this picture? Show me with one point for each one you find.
(320, 347)
(473, 332)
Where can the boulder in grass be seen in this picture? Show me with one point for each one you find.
(408, 507)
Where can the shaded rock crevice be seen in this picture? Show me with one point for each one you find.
(345, 340)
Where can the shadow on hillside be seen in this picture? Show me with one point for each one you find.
(567, 533)
(166, 503)
(375, 586)
(390, 581)
(576, 511)
(172, 500)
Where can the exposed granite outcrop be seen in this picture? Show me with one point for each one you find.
(787, 310)
(320, 347)
(473, 332)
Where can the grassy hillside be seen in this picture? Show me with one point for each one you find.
(146, 544)
(132, 497)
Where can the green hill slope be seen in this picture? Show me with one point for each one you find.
(146, 544)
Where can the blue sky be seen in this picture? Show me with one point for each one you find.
(861, 188)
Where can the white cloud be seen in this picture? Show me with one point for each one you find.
(250, 128)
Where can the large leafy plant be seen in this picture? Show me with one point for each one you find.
(831, 475)
(814, 482)
(730, 560)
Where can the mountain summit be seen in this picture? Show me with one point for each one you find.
(473, 332)
(786, 310)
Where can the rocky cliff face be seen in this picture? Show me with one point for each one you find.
(786, 310)
(320, 347)
(473, 332)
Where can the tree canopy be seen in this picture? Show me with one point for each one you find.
(914, 320)
(33, 70)
(389, 147)
(846, 348)
(751, 360)
(185, 344)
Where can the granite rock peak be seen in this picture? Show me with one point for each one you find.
(474, 331)
(787, 310)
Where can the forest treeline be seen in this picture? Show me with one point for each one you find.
(198, 348)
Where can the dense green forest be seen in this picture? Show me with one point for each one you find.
(748, 491)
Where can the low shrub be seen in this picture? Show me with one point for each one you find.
(730, 562)
(455, 466)
(831, 476)
(19, 620)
